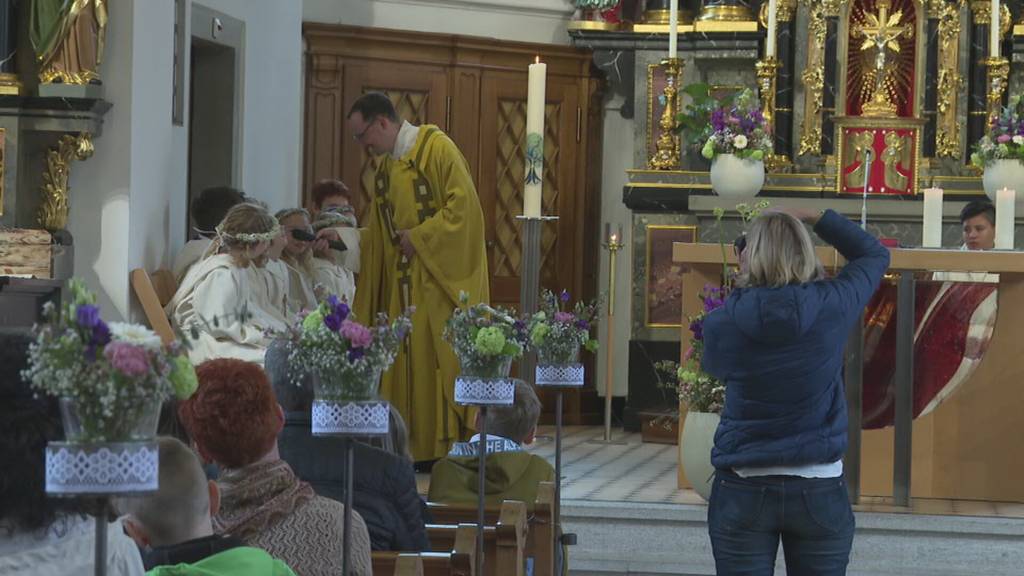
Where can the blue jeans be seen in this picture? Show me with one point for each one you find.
(748, 516)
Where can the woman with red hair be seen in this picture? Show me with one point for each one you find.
(234, 420)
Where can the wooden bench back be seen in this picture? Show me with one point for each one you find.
(504, 542)
(540, 534)
(458, 562)
(151, 305)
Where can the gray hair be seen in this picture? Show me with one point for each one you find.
(779, 252)
(171, 514)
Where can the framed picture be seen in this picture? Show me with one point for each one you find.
(663, 304)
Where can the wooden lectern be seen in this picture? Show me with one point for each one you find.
(971, 446)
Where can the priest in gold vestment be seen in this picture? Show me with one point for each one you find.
(423, 245)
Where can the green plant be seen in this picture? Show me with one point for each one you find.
(1005, 137)
(694, 123)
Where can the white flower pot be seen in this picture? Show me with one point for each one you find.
(1004, 174)
(732, 177)
(695, 450)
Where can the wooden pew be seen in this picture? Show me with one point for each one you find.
(459, 562)
(504, 542)
(540, 526)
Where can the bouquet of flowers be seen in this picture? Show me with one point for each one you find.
(739, 128)
(110, 378)
(486, 339)
(1005, 138)
(557, 334)
(345, 357)
(697, 389)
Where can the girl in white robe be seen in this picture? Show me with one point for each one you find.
(318, 275)
(223, 302)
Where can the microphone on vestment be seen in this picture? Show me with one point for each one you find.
(309, 237)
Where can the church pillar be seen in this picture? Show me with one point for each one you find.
(977, 79)
(828, 101)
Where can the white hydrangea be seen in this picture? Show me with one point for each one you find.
(739, 142)
(135, 334)
(1018, 140)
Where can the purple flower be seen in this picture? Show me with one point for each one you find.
(355, 354)
(87, 315)
(563, 317)
(343, 310)
(333, 301)
(582, 324)
(564, 296)
(359, 335)
(697, 327)
(127, 359)
(333, 321)
(718, 120)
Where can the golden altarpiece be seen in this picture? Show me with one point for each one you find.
(871, 101)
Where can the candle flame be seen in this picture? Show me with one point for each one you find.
(536, 59)
(614, 238)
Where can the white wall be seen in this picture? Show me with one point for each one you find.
(521, 20)
(128, 204)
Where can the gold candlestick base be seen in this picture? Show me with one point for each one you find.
(667, 152)
(998, 76)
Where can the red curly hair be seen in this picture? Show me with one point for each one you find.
(233, 414)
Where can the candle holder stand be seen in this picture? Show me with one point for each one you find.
(667, 152)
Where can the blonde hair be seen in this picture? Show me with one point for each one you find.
(779, 252)
(244, 226)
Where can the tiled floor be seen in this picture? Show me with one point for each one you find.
(628, 470)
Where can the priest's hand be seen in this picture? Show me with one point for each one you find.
(405, 242)
(320, 245)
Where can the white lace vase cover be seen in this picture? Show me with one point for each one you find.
(485, 387)
(106, 468)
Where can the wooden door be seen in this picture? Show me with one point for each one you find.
(500, 185)
(420, 96)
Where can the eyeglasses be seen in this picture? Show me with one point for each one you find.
(740, 244)
(359, 137)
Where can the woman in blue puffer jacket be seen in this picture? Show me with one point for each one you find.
(777, 344)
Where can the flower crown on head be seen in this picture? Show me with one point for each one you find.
(251, 238)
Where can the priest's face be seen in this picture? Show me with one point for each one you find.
(979, 233)
(373, 135)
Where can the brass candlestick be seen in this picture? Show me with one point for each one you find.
(667, 155)
(614, 242)
(998, 75)
(767, 82)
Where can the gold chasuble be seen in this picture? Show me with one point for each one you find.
(429, 192)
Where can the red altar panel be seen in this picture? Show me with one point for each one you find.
(893, 164)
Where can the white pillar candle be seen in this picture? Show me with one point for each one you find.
(535, 99)
(673, 28)
(932, 218)
(1006, 201)
(770, 43)
(993, 47)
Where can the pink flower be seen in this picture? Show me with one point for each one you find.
(127, 359)
(564, 317)
(1004, 138)
(689, 353)
(359, 335)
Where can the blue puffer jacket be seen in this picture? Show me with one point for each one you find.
(780, 353)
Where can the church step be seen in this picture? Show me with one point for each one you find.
(648, 539)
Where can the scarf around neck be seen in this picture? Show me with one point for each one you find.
(256, 497)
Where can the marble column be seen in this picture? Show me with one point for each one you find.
(8, 35)
(977, 76)
(931, 81)
(784, 86)
(828, 99)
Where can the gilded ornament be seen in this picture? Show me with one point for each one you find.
(53, 212)
(667, 155)
(813, 78)
(896, 153)
(947, 133)
(882, 33)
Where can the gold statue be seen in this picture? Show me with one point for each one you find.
(896, 153)
(881, 32)
(68, 38)
(857, 148)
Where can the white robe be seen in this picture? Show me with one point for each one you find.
(335, 279)
(217, 288)
(191, 252)
(67, 548)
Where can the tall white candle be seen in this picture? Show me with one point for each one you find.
(932, 218)
(534, 180)
(993, 46)
(673, 28)
(772, 25)
(1006, 200)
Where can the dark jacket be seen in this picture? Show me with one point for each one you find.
(188, 552)
(384, 484)
(780, 353)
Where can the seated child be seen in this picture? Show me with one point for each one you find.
(208, 209)
(307, 272)
(334, 218)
